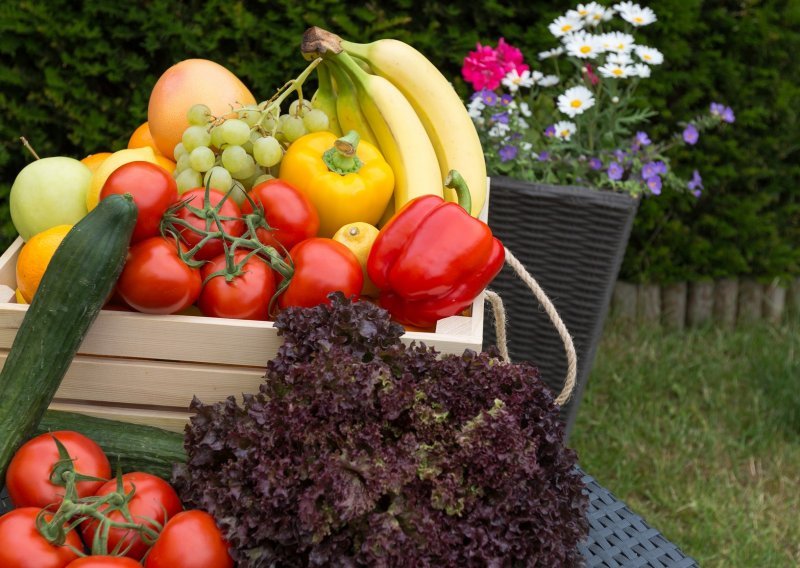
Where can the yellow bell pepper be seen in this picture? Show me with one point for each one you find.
(347, 180)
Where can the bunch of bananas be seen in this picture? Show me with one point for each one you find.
(395, 98)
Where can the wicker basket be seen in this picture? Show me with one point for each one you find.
(572, 240)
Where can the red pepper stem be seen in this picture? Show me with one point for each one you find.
(342, 159)
(455, 181)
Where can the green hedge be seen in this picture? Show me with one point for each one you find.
(79, 75)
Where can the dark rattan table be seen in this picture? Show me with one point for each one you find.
(617, 536)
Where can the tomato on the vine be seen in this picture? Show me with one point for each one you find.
(22, 546)
(31, 471)
(321, 266)
(104, 562)
(153, 190)
(196, 198)
(287, 210)
(246, 296)
(190, 539)
(155, 280)
(154, 500)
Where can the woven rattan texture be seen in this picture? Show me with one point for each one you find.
(572, 241)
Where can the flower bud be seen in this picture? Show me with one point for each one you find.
(615, 100)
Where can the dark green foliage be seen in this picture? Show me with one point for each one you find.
(76, 78)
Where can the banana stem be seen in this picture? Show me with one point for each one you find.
(455, 181)
(342, 159)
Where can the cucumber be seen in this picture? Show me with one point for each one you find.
(78, 281)
(133, 447)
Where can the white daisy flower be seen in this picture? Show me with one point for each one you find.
(513, 80)
(575, 101)
(649, 55)
(598, 15)
(616, 71)
(525, 109)
(564, 25)
(555, 52)
(499, 130)
(617, 41)
(565, 129)
(641, 70)
(586, 11)
(583, 45)
(548, 81)
(622, 58)
(635, 14)
(475, 107)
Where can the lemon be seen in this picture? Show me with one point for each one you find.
(110, 164)
(20, 297)
(33, 259)
(359, 238)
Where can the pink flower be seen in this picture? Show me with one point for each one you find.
(485, 67)
(593, 79)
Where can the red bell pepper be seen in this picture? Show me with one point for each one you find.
(432, 258)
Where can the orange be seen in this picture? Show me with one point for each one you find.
(141, 137)
(93, 161)
(190, 82)
(165, 163)
(34, 258)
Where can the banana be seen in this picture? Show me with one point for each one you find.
(325, 99)
(443, 114)
(401, 135)
(348, 110)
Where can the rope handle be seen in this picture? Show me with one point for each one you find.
(499, 311)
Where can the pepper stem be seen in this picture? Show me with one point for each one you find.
(342, 159)
(455, 181)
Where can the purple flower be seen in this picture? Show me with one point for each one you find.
(507, 153)
(691, 135)
(642, 139)
(696, 184)
(717, 109)
(595, 164)
(489, 97)
(725, 113)
(550, 131)
(615, 171)
(543, 156)
(654, 185)
(661, 167)
(620, 155)
(506, 100)
(500, 117)
(651, 169)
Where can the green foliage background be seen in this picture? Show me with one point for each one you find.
(75, 79)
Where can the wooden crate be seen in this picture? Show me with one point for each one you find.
(145, 369)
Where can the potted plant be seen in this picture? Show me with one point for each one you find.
(570, 157)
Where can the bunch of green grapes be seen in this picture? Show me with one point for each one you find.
(240, 151)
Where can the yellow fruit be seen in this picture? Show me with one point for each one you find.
(142, 138)
(34, 258)
(20, 297)
(165, 163)
(359, 238)
(93, 161)
(111, 163)
(191, 82)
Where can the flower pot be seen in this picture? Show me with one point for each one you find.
(572, 240)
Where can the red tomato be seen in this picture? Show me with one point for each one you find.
(29, 473)
(287, 210)
(247, 296)
(104, 562)
(321, 266)
(234, 227)
(22, 546)
(155, 280)
(190, 540)
(153, 190)
(154, 499)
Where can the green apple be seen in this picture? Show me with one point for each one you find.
(49, 192)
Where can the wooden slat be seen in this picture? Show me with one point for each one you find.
(8, 264)
(168, 420)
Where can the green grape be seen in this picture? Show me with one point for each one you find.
(250, 115)
(202, 159)
(248, 146)
(235, 132)
(234, 158)
(188, 179)
(293, 128)
(262, 179)
(183, 163)
(267, 151)
(238, 193)
(195, 136)
(270, 123)
(293, 108)
(216, 137)
(198, 115)
(219, 178)
(247, 170)
(316, 120)
(179, 151)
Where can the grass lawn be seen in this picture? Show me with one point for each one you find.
(699, 432)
